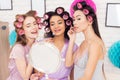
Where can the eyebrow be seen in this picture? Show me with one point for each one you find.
(54, 22)
(78, 15)
(59, 20)
(30, 23)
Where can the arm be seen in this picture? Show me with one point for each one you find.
(95, 51)
(69, 55)
(24, 69)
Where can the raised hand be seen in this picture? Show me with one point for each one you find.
(72, 34)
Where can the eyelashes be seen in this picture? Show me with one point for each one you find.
(77, 19)
(52, 24)
(59, 22)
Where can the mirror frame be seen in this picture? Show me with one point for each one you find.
(107, 12)
(39, 9)
(11, 6)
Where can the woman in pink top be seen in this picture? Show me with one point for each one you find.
(26, 27)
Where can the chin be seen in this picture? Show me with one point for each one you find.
(57, 35)
(77, 31)
(34, 36)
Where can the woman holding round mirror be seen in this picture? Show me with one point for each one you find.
(57, 23)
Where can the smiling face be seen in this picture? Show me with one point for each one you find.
(80, 21)
(57, 25)
(30, 27)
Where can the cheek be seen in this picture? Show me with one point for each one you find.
(27, 32)
(37, 27)
(83, 24)
(51, 29)
(63, 27)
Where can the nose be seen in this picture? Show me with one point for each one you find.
(34, 26)
(56, 25)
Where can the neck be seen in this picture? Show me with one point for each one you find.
(59, 42)
(89, 34)
(59, 39)
(30, 42)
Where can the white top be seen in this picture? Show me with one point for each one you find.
(80, 66)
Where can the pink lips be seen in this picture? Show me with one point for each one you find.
(57, 30)
(75, 27)
(35, 32)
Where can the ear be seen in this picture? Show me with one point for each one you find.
(90, 19)
(90, 22)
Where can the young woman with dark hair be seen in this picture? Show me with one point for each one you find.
(57, 23)
(88, 59)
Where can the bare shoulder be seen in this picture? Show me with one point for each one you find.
(98, 43)
(97, 48)
(17, 47)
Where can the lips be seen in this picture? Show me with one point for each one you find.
(57, 30)
(75, 27)
(35, 32)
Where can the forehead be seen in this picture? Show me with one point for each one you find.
(29, 19)
(78, 13)
(55, 18)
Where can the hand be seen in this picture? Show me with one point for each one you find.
(40, 73)
(72, 34)
(36, 76)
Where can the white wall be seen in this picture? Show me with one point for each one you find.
(108, 34)
(19, 7)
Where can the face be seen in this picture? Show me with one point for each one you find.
(80, 21)
(30, 27)
(57, 25)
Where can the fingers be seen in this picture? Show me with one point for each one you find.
(71, 31)
(34, 77)
(40, 74)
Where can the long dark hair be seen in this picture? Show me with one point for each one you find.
(91, 13)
